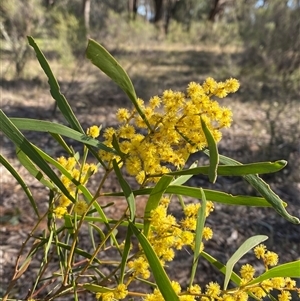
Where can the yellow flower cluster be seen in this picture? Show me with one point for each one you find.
(261, 290)
(80, 173)
(170, 129)
(212, 290)
(167, 235)
(119, 293)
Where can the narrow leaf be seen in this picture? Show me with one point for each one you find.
(27, 163)
(125, 254)
(63, 143)
(96, 288)
(239, 253)
(201, 217)
(98, 229)
(213, 150)
(235, 170)
(101, 58)
(20, 180)
(183, 178)
(154, 199)
(160, 276)
(59, 129)
(48, 245)
(9, 129)
(290, 269)
(212, 195)
(61, 101)
(264, 189)
(127, 191)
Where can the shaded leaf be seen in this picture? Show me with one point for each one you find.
(154, 199)
(20, 180)
(161, 278)
(127, 191)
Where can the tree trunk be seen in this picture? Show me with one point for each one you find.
(86, 10)
(132, 9)
(214, 11)
(158, 6)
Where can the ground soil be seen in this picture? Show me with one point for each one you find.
(95, 99)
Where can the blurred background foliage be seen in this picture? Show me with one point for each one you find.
(265, 32)
(263, 38)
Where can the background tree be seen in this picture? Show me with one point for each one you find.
(17, 20)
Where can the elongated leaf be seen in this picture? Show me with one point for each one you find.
(111, 221)
(20, 180)
(235, 170)
(98, 229)
(101, 58)
(10, 130)
(127, 191)
(212, 195)
(221, 267)
(201, 217)
(27, 163)
(239, 253)
(48, 245)
(63, 143)
(69, 223)
(154, 199)
(213, 150)
(161, 278)
(96, 288)
(65, 172)
(183, 178)
(59, 129)
(116, 146)
(126, 252)
(264, 189)
(61, 101)
(290, 269)
(78, 251)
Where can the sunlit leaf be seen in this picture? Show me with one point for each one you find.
(212, 195)
(213, 150)
(101, 58)
(59, 129)
(290, 269)
(201, 217)
(61, 101)
(264, 189)
(249, 244)
(234, 170)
